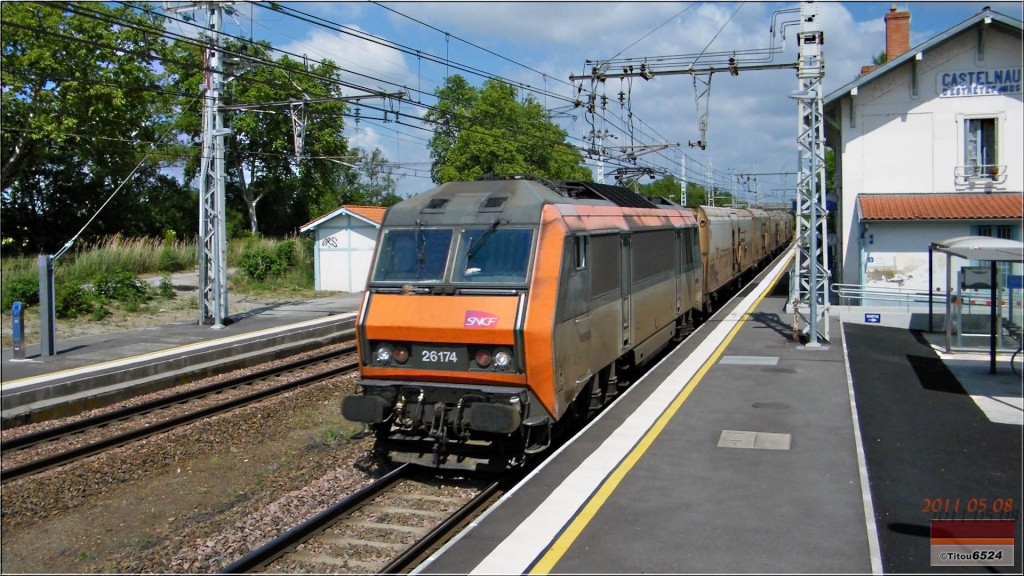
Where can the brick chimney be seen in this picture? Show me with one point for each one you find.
(897, 33)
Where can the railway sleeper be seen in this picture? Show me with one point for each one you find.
(358, 542)
(331, 561)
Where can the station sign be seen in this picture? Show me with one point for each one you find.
(977, 82)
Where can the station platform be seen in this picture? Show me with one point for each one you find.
(94, 371)
(746, 451)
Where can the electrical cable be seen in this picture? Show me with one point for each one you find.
(448, 34)
(635, 42)
(69, 243)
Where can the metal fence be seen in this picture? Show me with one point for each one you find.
(909, 299)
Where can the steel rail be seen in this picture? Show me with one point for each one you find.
(130, 436)
(408, 558)
(27, 440)
(279, 546)
(275, 548)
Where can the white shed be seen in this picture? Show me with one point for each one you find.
(345, 239)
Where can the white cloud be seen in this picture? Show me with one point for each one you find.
(363, 61)
(751, 122)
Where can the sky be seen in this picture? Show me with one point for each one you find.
(752, 122)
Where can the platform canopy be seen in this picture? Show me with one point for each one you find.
(984, 248)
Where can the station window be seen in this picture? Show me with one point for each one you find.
(1004, 231)
(981, 154)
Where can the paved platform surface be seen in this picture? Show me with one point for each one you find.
(747, 452)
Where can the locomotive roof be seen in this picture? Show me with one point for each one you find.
(513, 200)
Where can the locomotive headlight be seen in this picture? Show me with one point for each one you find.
(483, 358)
(503, 358)
(383, 353)
(401, 354)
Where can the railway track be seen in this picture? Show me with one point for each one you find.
(257, 382)
(387, 527)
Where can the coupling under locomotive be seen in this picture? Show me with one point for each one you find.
(497, 309)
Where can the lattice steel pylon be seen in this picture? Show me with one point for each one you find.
(213, 285)
(810, 277)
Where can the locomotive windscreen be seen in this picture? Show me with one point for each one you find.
(493, 255)
(408, 255)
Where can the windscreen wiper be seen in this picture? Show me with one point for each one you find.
(421, 248)
(479, 243)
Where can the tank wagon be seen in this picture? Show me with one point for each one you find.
(500, 311)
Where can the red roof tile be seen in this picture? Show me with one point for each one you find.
(941, 206)
(374, 213)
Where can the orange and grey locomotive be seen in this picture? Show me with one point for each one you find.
(499, 311)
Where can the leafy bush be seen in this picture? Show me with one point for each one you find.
(99, 312)
(279, 266)
(170, 261)
(172, 258)
(24, 289)
(166, 288)
(123, 287)
(307, 246)
(257, 263)
(73, 301)
(284, 253)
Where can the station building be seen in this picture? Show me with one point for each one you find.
(928, 147)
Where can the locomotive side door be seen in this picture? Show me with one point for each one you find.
(626, 270)
(680, 246)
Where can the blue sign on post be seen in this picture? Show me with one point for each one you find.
(17, 330)
(872, 318)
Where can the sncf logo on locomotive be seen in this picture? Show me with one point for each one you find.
(477, 319)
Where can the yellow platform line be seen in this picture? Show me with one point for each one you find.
(545, 564)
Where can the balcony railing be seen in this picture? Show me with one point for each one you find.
(980, 173)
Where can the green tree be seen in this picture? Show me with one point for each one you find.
(82, 105)
(370, 183)
(665, 187)
(668, 187)
(454, 101)
(265, 175)
(378, 180)
(490, 131)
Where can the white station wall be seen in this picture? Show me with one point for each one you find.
(896, 141)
